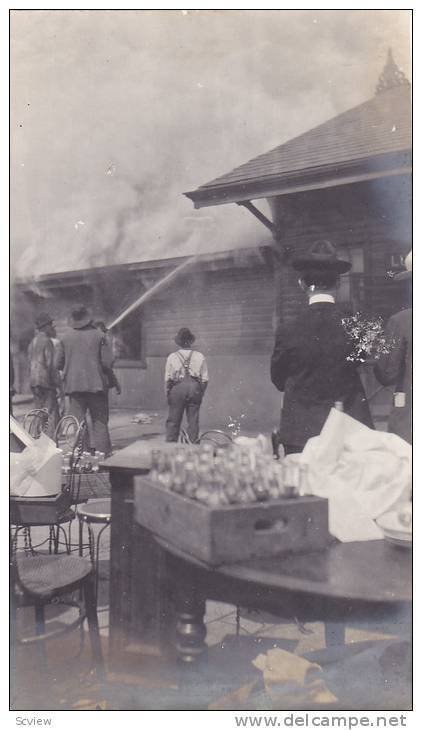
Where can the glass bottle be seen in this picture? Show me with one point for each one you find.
(155, 464)
(202, 492)
(191, 480)
(291, 478)
(164, 475)
(231, 484)
(304, 486)
(260, 481)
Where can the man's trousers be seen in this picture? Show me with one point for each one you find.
(97, 406)
(184, 397)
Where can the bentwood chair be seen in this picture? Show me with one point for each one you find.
(35, 422)
(42, 579)
(218, 438)
(65, 513)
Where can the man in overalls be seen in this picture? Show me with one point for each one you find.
(186, 379)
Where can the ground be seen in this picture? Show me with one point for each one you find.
(372, 671)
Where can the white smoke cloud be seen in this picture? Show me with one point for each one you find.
(116, 113)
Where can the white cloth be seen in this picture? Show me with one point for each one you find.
(363, 473)
(197, 366)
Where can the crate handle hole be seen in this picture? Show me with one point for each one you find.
(271, 525)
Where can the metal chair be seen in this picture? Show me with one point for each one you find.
(183, 437)
(67, 433)
(95, 512)
(37, 581)
(35, 422)
(68, 501)
(220, 439)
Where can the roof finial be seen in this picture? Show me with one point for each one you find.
(391, 75)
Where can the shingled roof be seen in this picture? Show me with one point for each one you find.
(369, 141)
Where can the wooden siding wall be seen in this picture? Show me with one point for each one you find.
(230, 312)
(369, 216)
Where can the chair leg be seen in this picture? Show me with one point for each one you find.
(81, 536)
(237, 621)
(67, 544)
(40, 631)
(97, 558)
(91, 544)
(50, 539)
(94, 633)
(56, 532)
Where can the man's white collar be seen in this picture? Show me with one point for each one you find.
(315, 298)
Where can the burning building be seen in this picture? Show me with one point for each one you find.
(348, 180)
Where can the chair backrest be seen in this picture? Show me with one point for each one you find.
(183, 437)
(67, 433)
(35, 422)
(78, 440)
(217, 437)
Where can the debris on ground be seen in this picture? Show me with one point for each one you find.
(144, 418)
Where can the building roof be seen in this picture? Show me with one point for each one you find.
(245, 256)
(369, 141)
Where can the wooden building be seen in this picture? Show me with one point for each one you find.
(226, 299)
(347, 180)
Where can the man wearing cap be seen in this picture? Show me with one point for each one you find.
(395, 366)
(186, 379)
(310, 359)
(43, 375)
(83, 355)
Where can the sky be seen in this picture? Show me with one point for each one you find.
(114, 114)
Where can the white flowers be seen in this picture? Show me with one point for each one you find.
(234, 424)
(367, 337)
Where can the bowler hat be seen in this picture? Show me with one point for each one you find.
(184, 337)
(80, 317)
(321, 256)
(43, 319)
(407, 273)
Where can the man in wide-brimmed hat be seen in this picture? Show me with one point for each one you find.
(395, 366)
(83, 355)
(186, 379)
(43, 375)
(310, 359)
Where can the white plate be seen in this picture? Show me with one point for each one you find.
(390, 523)
(399, 542)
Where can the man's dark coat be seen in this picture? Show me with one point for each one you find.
(395, 368)
(310, 365)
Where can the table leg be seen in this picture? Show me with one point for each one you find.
(190, 625)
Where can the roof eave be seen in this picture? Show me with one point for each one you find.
(78, 277)
(344, 173)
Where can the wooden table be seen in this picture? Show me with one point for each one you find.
(345, 582)
(157, 592)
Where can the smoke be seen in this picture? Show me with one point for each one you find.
(116, 113)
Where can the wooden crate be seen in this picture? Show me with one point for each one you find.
(234, 532)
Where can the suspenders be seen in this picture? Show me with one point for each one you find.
(185, 362)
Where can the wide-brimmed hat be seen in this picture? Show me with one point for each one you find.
(43, 319)
(321, 256)
(184, 337)
(407, 273)
(80, 317)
